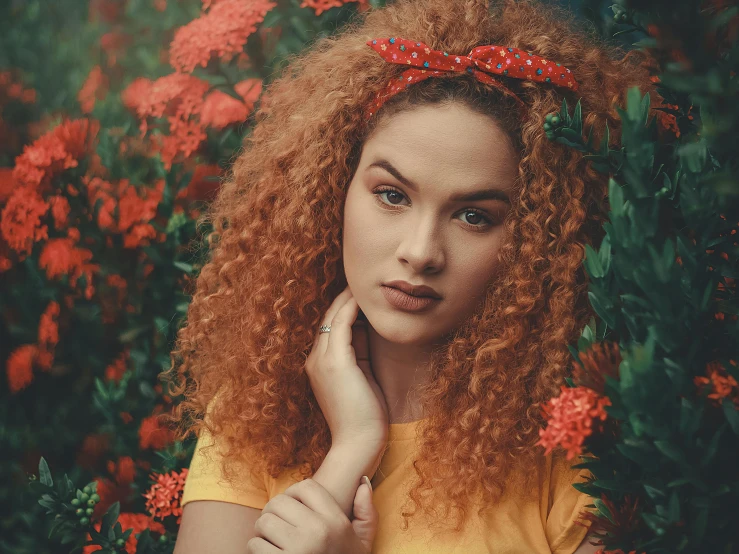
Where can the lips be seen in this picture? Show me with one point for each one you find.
(414, 290)
(406, 302)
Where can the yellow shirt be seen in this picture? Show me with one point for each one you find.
(537, 526)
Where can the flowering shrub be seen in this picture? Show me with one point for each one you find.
(105, 166)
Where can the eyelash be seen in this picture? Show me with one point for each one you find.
(478, 228)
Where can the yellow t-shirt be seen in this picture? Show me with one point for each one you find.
(540, 525)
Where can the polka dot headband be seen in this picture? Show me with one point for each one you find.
(486, 63)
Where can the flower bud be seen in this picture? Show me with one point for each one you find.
(84, 521)
(75, 502)
(85, 497)
(89, 511)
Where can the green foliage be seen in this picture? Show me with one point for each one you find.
(662, 285)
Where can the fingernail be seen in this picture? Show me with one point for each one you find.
(366, 480)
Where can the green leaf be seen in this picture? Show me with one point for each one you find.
(577, 120)
(671, 451)
(110, 517)
(44, 473)
(182, 266)
(603, 509)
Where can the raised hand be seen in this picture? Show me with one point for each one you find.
(306, 519)
(345, 388)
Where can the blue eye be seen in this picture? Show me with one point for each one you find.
(483, 225)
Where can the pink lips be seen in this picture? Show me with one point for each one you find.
(406, 302)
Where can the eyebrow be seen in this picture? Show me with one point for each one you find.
(487, 194)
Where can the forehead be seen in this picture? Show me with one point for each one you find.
(444, 142)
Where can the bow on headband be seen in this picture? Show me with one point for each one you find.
(484, 62)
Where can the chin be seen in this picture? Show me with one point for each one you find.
(397, 329)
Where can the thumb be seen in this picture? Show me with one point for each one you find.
(365, 515)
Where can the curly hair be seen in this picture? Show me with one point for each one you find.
(275, 265)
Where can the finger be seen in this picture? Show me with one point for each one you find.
(341, 327)
(335, 306)
(314, 496)
(289, 509)
(276, 530)
(257, 545)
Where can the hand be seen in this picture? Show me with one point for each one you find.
(305, 519)
(350, 398)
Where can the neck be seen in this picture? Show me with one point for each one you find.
(399, 370)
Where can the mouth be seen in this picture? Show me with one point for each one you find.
(420, 291)
(407, 302)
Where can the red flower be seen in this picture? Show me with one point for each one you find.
(8, 183)
(19, 367)
(94, 88)
(62, 257)
(570, 418)
(115, 371)
(221, 110)
(185, 138)
(48, 335)
(165, 495)
(52, 153)
(154, 435)
(222, 31)
(721, 383)
(134, 96)
(249, 90)
(20, 221)
(92, 449)
(137, 522)
(177, 97)
(59, 210)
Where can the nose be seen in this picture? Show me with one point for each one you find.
(421, 245)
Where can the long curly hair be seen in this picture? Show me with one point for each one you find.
(274, 263)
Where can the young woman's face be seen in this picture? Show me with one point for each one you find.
(405, 220)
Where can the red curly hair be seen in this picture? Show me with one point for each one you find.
(275, 263)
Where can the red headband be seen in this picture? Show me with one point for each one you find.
(484, 62)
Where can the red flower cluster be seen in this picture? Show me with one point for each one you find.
(94, 88)
(152, 434)
(570, 418)
(22, 361)
(720, 383)
(135, 208)
(20, 220)
(165, 495)
(222, 32)
(181, 99)
(58, 150)
(137, 522)
(115, 371)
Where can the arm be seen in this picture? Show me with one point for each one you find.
(215, 526)
(342, 469)
(224, 527)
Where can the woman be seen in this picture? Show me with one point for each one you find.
(312, 365)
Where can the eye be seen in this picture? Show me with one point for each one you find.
(480, 220)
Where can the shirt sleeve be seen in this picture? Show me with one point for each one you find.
(563, 531)
(205, 479)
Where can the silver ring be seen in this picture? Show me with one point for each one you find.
(324, 329)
